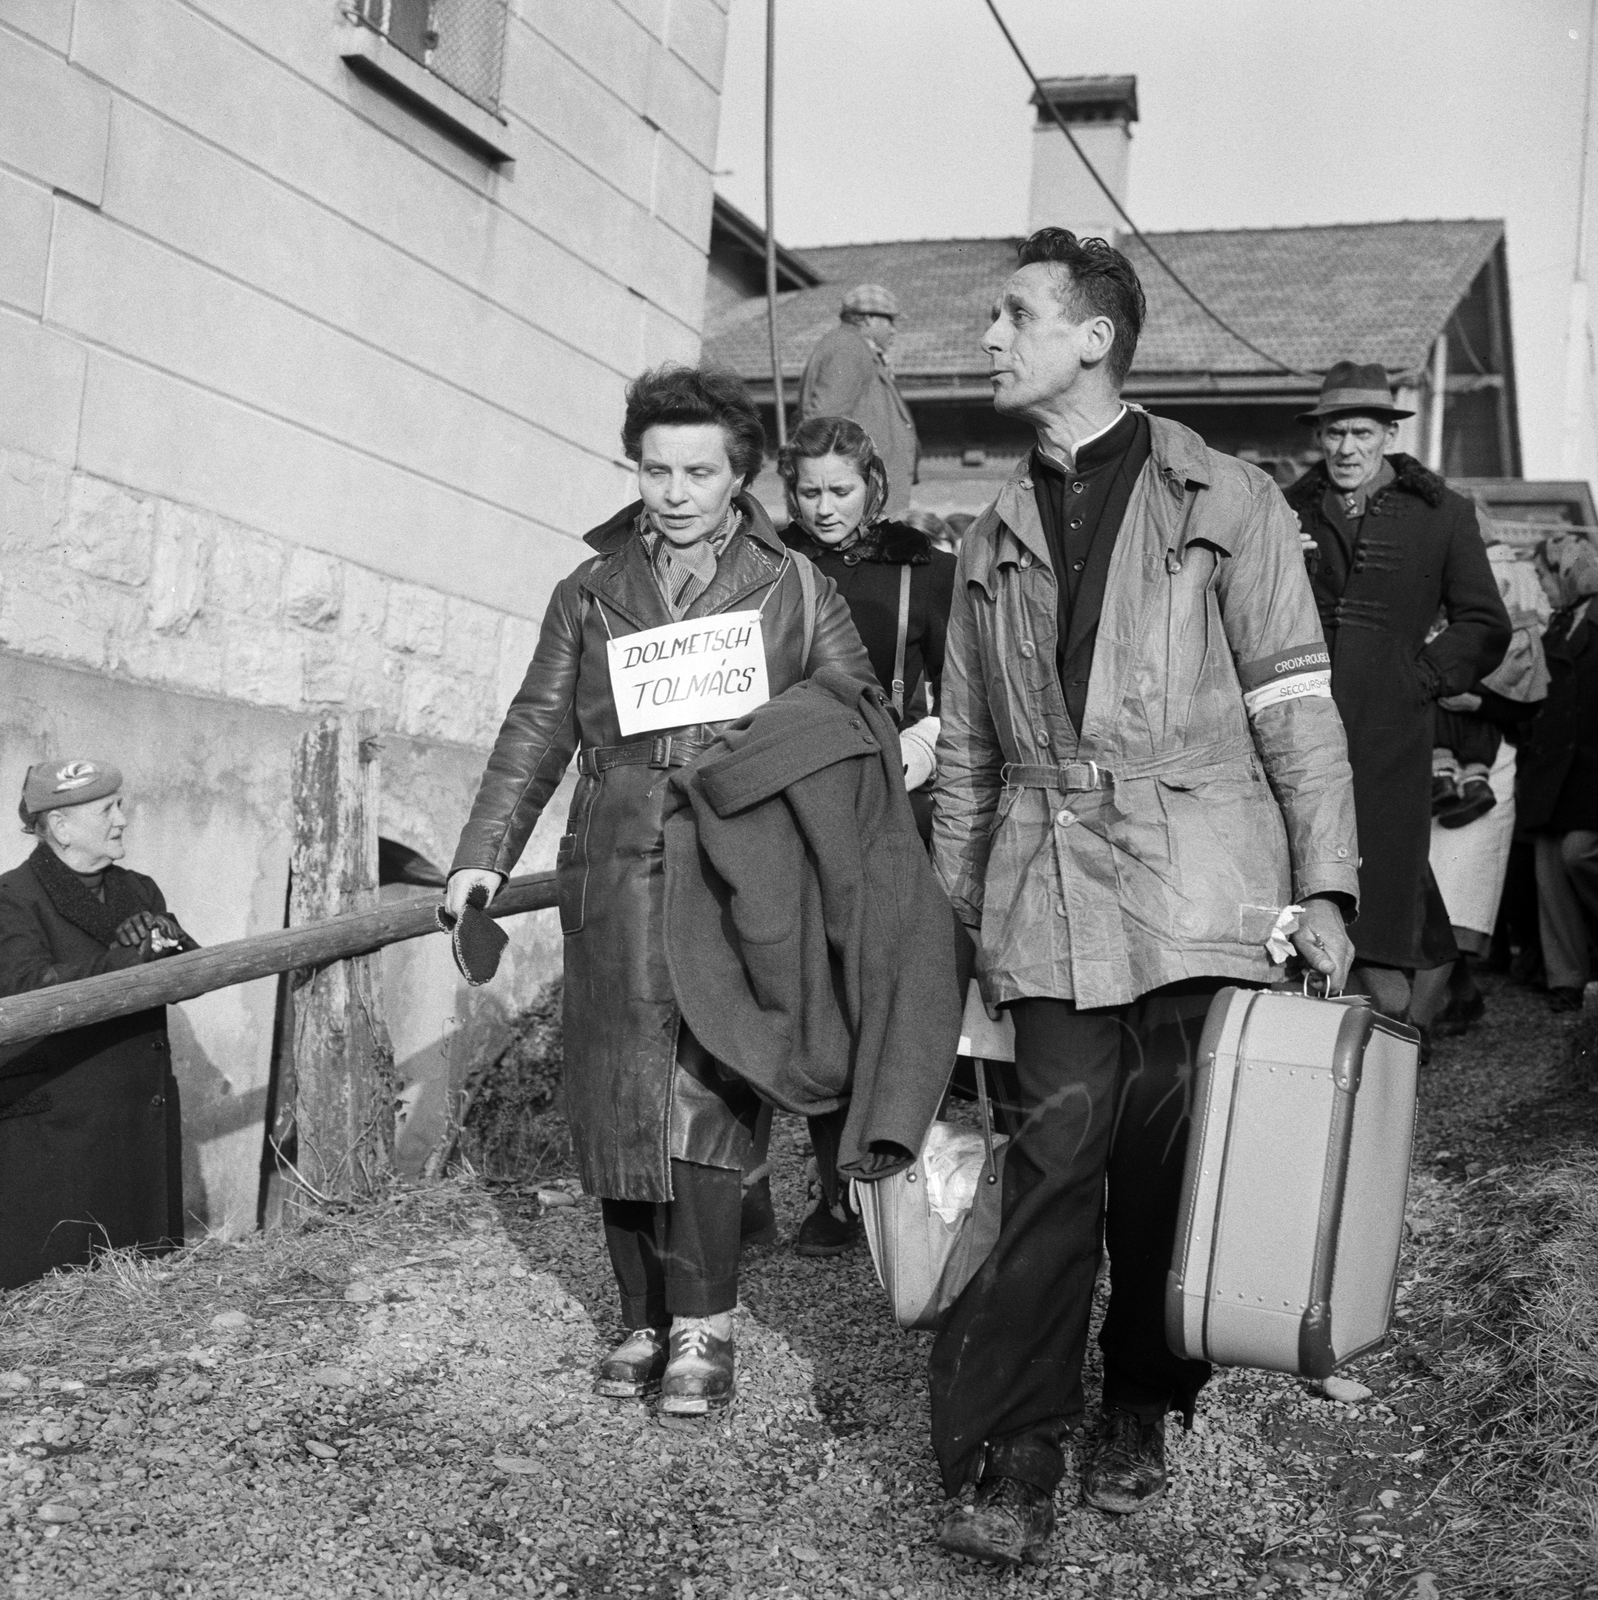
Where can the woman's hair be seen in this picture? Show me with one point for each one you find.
(833, 436)
(677, 396)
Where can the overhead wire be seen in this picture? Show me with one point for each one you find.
(1121, 211)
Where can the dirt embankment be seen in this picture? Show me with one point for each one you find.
(396, 1402)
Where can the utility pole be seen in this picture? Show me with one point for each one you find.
(1579, 435)
(771, 226)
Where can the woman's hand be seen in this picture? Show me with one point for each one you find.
(1323, 943)
(463, 882)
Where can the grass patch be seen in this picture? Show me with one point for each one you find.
(1518, 1304)
(514, 1128)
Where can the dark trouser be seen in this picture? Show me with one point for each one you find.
(679, 1258)
(826, 1138)
(1093, 1095)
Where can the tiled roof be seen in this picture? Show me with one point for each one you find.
(1375, 291)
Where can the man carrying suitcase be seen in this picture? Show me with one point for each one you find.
(1140, 770)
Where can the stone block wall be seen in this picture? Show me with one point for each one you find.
(156, 592)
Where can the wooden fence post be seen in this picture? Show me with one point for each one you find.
(343, 1058)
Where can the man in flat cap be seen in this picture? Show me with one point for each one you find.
(1397, 550)
(849, 375)
(89, 1129)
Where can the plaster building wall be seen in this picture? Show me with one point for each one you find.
(307, 403)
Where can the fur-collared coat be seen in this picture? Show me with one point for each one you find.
(1417, 552)
(867, 576)
(90, 1143)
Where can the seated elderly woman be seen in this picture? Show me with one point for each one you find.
(661, 1129)
(89, 1132)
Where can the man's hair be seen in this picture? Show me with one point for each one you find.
(833, 436)
(678, 396)
(1101, 282)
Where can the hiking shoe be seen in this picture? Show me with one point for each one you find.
(825, 1233)
(1476, 799)
(699, 1376)
(1445, 793)
(1460, 1015)
(634, 1368)
(1007, 1522)
(1565, 999)
(757, 1222)
(1125, 1467)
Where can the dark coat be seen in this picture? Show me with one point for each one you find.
(846, 376)
(620, 1012)
(90, 1145)
(1556, 772)
(1419, 552)
(811, 947)
(867, 576)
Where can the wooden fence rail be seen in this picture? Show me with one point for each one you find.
(182, 977)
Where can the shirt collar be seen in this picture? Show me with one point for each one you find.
(1048, 458)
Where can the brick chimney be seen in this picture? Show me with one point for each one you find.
(1100, 112)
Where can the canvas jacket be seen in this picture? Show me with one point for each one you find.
(1227, 792)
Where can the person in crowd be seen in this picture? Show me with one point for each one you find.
(1395, 547)
(957, 522)
(850, 374)
(90, 1136)
(1140, 771)
(1557, 790)
(661, 1130)
(1471, 842)
(939, 534)
(898, 588)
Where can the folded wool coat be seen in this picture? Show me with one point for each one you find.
(811, 948)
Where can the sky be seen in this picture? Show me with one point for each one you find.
(905, 119)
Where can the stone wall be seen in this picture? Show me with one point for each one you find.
(161, 593)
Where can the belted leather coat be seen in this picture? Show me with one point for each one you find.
(1162, 844)
(621, 1016)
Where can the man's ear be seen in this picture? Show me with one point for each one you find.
(1098, 341)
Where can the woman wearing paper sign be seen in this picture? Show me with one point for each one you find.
(898, 590)
(690, 614)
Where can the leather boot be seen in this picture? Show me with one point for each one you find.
(634, 1368)
(1007, 1522)
(699, 1376)
(1125, 1467)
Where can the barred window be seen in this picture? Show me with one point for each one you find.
(460, 41)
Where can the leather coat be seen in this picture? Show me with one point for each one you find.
(621, 1015)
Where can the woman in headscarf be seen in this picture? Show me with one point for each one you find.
(661, 1129)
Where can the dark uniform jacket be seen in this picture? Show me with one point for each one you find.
(90, 1150)
(1415, 552)
(621, 1016)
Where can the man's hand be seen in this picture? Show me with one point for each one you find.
(463, 882)
(1460, 702)
(1323, 943)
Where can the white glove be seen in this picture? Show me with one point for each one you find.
(917, 745)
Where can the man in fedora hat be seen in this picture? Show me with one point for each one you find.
(1397, 549)
(849, 375)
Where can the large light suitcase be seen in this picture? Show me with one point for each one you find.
(1292, 1208)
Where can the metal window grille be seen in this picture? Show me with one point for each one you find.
(460, 41)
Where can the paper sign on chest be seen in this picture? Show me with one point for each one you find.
(709, 669)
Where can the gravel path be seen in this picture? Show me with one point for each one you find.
(396, 1403)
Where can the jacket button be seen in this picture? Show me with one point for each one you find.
(1059, 908)
(1065, 819)
(1076, 522)
(1028, 650)
(157, 1046)
(1077, 488)
(1042, 736)
(158, 1100)
(1026, 558)
(1342, 851)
